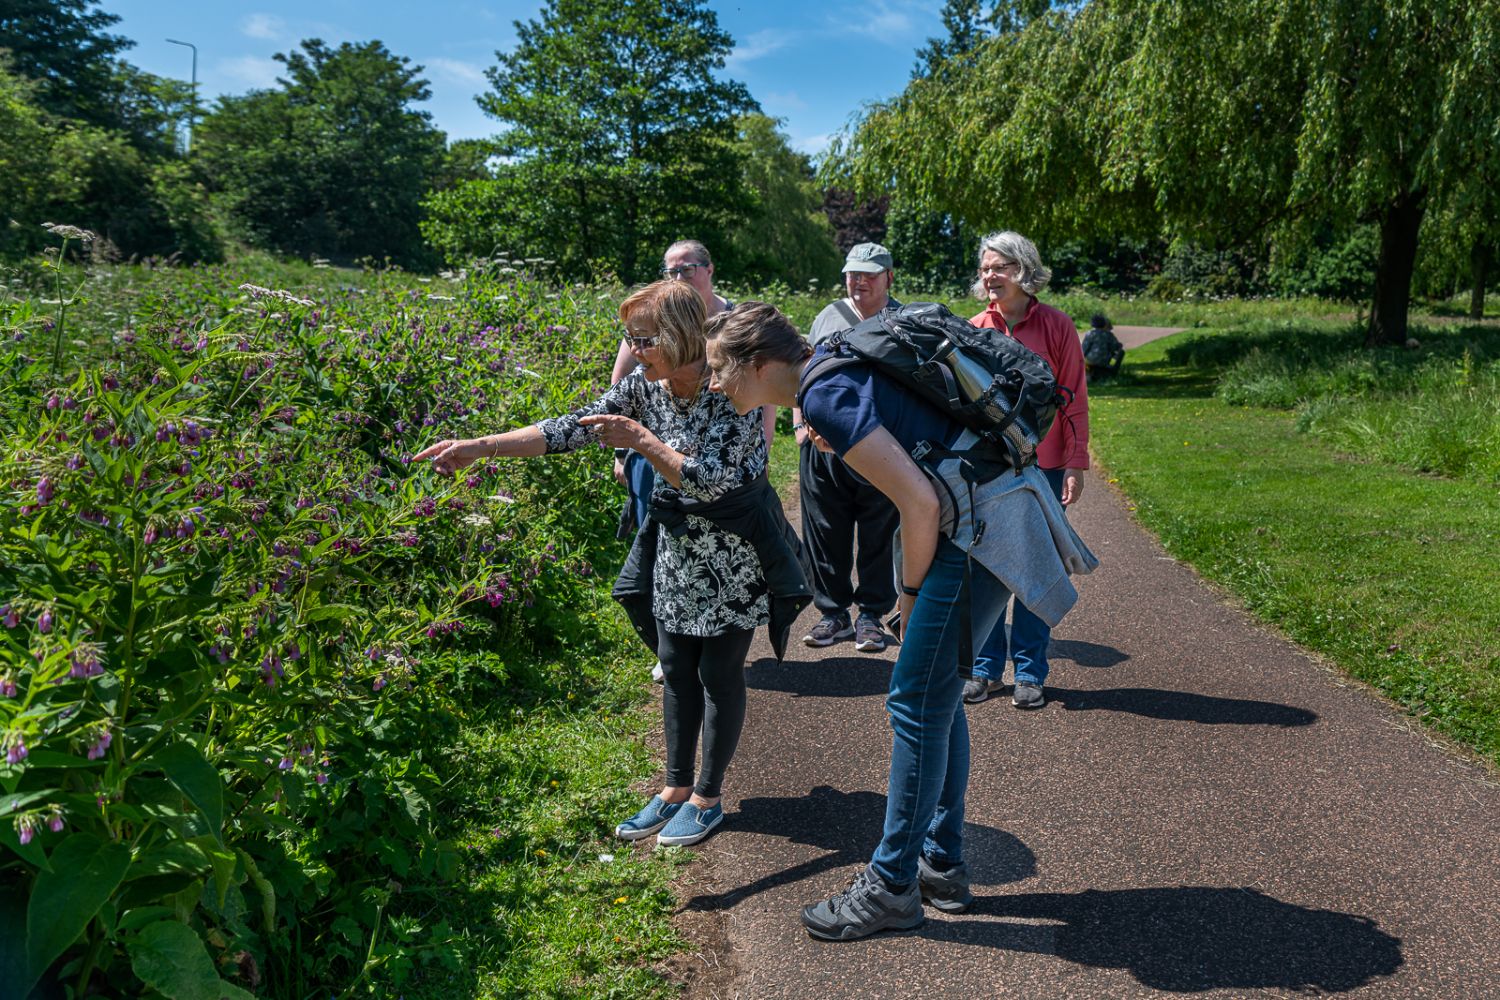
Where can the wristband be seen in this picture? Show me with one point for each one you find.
(910, 591)
(799, 425)
(621, 452)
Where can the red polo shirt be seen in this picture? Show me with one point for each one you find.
(1050, 332)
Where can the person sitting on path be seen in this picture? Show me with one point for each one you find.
(1102, 350)
(1010, 276)
(757, 358)
(839, 509)
(708, 586)
(689, 261)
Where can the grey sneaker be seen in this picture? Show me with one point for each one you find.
(947, 891)
(977, 689)
(864, 908)
(869, 637)
(1027, 696)
(832, 629)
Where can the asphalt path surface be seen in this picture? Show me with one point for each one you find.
(1201, 808)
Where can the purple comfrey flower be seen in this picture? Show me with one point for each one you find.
(44, 491)
(100, 746)
(53, 402)
(7, 685)
(286, 764)
(322, 778)
(293, 651)
(12, 619)
(44, 621)
(219, 653)
(191, 434)
(426, 507)
(75, 462)
(185, 528)
(25, 829)
(84, 663)
(378, 683)
(151, 535)
(15, 749)
(55, 820)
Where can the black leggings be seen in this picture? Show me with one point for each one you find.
(703, 689)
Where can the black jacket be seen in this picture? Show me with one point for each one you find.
(753, 512)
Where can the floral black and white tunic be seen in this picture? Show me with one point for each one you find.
(708, 581)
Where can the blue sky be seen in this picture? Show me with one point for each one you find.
(810, 64)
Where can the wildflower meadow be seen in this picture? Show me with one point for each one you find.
(242, 634)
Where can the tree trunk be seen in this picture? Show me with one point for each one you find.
(1399, 223)
(1479, 259)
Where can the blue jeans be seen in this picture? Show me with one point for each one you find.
(924, 806)
(1029, 635)
(640, 477)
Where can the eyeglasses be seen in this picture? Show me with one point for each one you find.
(640, 343)
(1011, 268)
(683, 271)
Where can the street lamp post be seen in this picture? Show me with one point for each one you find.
(193, 110)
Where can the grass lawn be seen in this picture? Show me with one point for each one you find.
(1391, 574)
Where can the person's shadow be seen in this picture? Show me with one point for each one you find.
(856, 676)
(1188, 939)
(1182, 706)
(847, 826)
(1086, 654)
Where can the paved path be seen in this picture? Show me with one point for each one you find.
(1201, 808)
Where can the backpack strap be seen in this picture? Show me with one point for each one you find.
(846, 310)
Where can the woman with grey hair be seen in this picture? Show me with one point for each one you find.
(1011, 274)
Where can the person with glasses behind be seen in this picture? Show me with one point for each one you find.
(838, 505)
(1010, 275)
(687, 261)
(696, 584)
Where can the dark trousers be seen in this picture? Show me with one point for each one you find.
(838, 509)
(703, 690)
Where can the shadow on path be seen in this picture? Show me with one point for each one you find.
(857, 676)
(1181, 706)
(847, 825)
(1086, 654)
(1188, 939)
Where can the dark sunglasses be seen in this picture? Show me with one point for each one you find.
(641, 343)
(685, 271)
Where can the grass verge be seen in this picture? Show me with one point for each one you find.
(547, 903)
(1389, 573)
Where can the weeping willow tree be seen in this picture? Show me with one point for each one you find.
(1222, 123)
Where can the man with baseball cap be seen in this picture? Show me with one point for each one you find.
(838, 507)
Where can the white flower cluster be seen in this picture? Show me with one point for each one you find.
(257, 292)
(69, 232)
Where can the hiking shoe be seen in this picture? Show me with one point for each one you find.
(869, 637)
(832, 629)
(650, 819)
(864, 908)
(977, 689)
(658, 675)
(946, 890)
(690, 825)
(1027, 696)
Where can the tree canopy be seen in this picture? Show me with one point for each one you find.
(335, 162)
(1217, 123)
(617, 131)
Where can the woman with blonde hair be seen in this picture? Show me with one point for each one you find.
(696, 590)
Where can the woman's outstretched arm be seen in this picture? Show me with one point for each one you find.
(451, 455)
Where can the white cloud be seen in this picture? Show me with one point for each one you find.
(757, 46)
(266, 26)
(456, 71)
(254, 72)
(813, 145)
(889, 21)
(778, 102)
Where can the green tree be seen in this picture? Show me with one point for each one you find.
(335, 162)
(63, 47)
(786, 236)
(622, 136)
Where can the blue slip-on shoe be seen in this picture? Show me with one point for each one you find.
(650, 819)
(690, 825)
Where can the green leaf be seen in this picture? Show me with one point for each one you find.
(338, 612)
(262, 886)
(170, 958)
(186, 768)
(85, 872)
